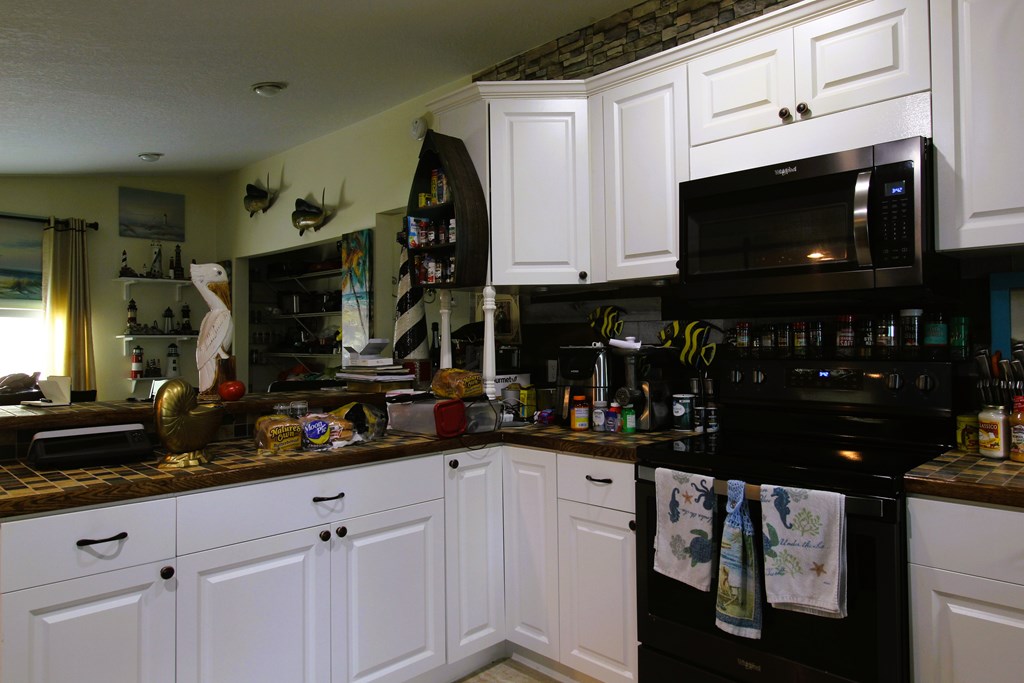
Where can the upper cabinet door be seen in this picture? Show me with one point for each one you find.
(977, 61)
(741, 89)
(645, 158)
(540, 221)
(869, 53)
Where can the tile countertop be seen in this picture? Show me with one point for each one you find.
(969, 477)
(25, 491)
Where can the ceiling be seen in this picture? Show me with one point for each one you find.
(87, 86)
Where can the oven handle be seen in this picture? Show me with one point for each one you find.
(855, 505)
(861, 229)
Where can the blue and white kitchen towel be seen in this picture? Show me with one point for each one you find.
(804, 550)
(738, 606)
(683, 545)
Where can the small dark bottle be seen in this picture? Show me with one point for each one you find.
(935, 339)
(435, 347)
(815, 339)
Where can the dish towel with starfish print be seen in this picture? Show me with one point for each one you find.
(804, 550)
(738, 605)
(683, 545)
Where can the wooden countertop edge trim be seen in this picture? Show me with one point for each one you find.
(965, 491)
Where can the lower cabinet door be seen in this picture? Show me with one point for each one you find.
(256, 612)
(597, 591)
(965, 628)
(114, 627)
(387, 594)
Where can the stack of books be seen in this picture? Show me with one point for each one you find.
(377, 378)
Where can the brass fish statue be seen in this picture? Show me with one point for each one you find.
(606, 321)
(308, 216)
(256, 199)
(17, 382)
(692, 340)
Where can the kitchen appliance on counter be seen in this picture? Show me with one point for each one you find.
(854, 220)
(582, 370)
(651, 398)
(851, 426)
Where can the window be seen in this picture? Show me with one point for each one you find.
(21, 294)
(21, 340)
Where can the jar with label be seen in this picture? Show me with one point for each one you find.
(742, 339)
(846, 337)
(682, 411)
(993, 432)
(628, 419)
(865, 338)
(612, 418)
(800, 339)
(768, 341)
(784, 340)
(597, 416)
(959, 338)
(815, 339)
(579, 414)
(885, 337)
(910, 333)
(712, 418)
(967, 432)
(935, 337)
(1017, 430)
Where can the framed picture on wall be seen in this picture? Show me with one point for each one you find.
(21, 260)
(151, 215)
(506, 317)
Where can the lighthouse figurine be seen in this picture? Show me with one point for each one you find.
(172, 361)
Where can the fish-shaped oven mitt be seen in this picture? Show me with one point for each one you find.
(256, 199)
(692, 340)
(606, 321)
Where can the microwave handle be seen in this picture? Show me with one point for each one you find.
(861, 229)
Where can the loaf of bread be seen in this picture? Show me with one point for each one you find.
(325, 432)
(456, 383)
(278, 434)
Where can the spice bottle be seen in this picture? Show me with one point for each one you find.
(579, 414)
(800, 339)
(1017, 430)
(742, 339)
(910, 333)
(846, 337)
(865, 338)
(959, 339)
(885, 337)
(815, 339)
(784, 341)
(935, 337)
(993, 432)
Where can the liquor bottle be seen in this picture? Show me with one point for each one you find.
(435, 347)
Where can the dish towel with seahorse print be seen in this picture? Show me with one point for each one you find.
(683, 543)
(738, 606)
(804, 550)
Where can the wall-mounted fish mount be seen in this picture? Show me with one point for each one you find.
(309, 216)
(258, 199)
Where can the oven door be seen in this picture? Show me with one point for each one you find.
(679, 639)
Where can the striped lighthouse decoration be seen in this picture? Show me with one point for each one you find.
(410, 316)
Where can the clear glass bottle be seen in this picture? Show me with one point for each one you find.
(769, 341)
(742, 339)
(885, 337)
(784, 340)
(800, 339)
(846, 337)
(865, 338)
(815, 339)
(910, 333)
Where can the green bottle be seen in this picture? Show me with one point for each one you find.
(628, 419)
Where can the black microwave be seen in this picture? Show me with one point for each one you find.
(853, 220)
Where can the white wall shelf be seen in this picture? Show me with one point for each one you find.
(127, 282)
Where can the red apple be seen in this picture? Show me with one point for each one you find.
(231, 391)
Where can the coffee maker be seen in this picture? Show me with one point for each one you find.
(582, 370)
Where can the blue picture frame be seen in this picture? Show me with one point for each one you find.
(1000, 286)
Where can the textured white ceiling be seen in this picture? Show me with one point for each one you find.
(86, 86)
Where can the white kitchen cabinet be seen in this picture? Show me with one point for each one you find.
(966, 592)
(112, 627)
(640, 148)
(89, 596)
(597, 567)
(387, 595)
(977, 60)
(256, 611)
(474, 551)
(531, 150)
(844, 80)
(531, 549)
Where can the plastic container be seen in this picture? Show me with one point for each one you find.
(1017, 430)
(993, 432)
(628, 419)
(613, 418)
(910, 333)
(597, 416)
(579, 413)
(682, 411)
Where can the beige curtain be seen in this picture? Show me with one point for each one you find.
(66, 308)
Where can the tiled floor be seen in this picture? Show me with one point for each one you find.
(507, 671)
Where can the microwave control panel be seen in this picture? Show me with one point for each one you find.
(892, 215)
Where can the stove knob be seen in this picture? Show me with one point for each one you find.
(758, 376)
(736, 376)
(894, 381)
(924, 383)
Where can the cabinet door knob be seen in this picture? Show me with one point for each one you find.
(784, 113)
(166, 572)
(453, 463)
(632, 525)
(342, 531)
(583, 275)
(803, 109)
(598, 481)
(325, 535)
(83, 542)
(322, 499)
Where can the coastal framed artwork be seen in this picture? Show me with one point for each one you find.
(356, 288)
(21, 260)
(151, 215)
(1006, 307)
(506, 317)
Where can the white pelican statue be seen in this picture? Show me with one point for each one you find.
(216, 330)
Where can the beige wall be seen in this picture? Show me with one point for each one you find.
(95, 198)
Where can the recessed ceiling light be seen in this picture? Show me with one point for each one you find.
(269, 88)
(151, 156)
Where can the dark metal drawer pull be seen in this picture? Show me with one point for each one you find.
(598, 481)
(324, 499)
(82, 542)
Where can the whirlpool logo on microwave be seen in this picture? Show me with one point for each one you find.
(785, 170)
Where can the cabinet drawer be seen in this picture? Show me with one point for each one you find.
(969, 539)
(586, 480)
(216, 518)
(34, 552)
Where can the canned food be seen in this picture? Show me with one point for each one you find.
(682, 411)
(967, 432)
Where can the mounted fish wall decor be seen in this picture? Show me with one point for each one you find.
(258, 199)
(309, 216)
